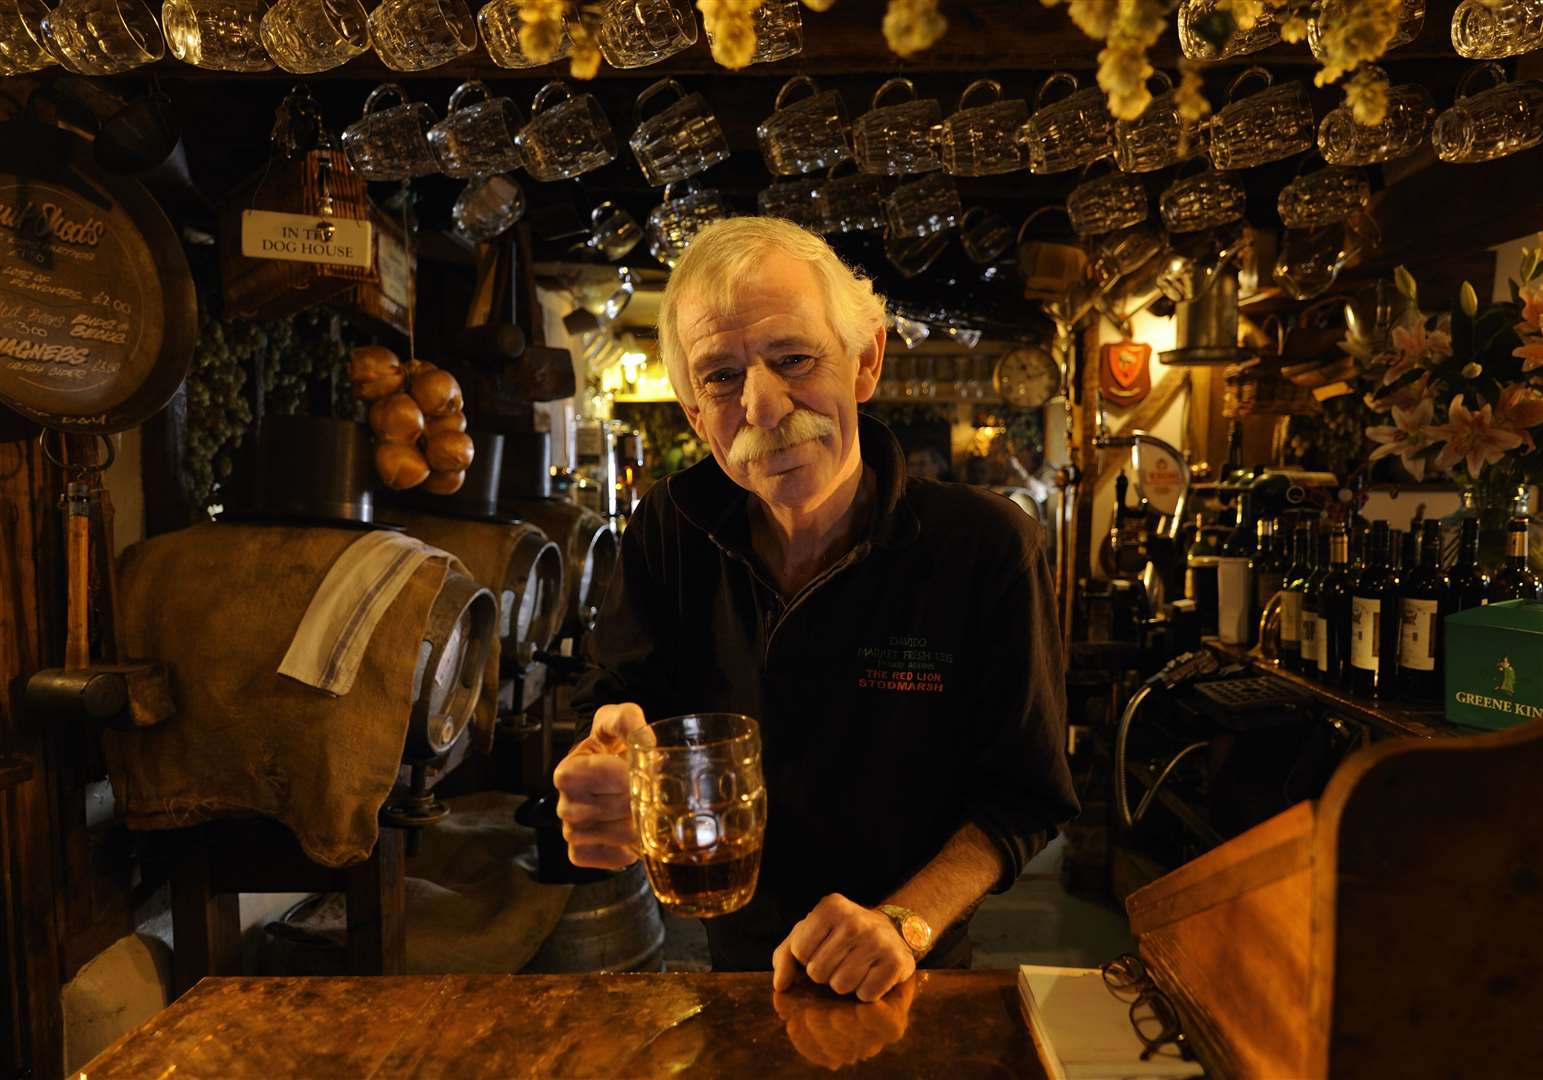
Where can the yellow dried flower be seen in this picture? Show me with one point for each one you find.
(730, 26)
(1094, 18)
(1190, 97)
(1244, 12)
(541, 28)
(1367, 95)
(1293, 29)
(819, 5)
(913, 25)
(584, 60)
(1351, 34)
(1123, 74)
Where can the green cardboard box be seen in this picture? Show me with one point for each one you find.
(1494, 665)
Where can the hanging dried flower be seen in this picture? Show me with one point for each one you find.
(541, 28)
(584, 60)
(1367, 95)
(819, 5)
(913, 25)
(730, 28)
(1189, 95)
(1350, 35)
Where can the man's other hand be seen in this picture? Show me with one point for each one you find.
(593, 801)
(847, 947)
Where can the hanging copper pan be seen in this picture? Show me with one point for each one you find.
(98, 315)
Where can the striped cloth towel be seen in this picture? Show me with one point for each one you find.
(336, 628)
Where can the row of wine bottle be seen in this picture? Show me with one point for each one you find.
(1374, 627)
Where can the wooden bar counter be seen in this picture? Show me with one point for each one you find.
(951, 1024)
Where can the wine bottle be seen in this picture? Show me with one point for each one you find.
(1291, 597)
(1200, 573)
(1270, 562)
(1312, 589)
(1515, 580)
(1334, 597)
(1425, 600)
(1236, 619)
(1374, 618)
(1469, 585)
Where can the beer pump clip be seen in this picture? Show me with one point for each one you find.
(135, 694)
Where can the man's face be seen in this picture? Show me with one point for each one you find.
(776, 392)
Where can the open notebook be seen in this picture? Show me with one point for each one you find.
(1083, 1032)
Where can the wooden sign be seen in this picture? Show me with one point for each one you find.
(1123, 374)
(97, 311)
(267, 234)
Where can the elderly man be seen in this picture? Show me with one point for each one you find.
(895, 638)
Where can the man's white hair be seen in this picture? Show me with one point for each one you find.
(725, 251)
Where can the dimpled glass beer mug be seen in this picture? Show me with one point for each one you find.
(1323, 197)
(414, 35)
(807, 134)
(1107, 203)
(1310, 260)
(636, 33)
(307, 36)
(1266, 126)
(1070, 133)
(982, 140)
(983, 235)
(613, 231)
(568, 134)
(911, 254)
(923, 207)
(674, 223)
(1488, 31)
(1342, 140)
(488, 206)
(897, 140)
(21, 37)
(681, 140)
(1505, 119)
(1197, 16)
(796, 200)
(699, 808)
(221, 35)
(1205, 200)
(103, 37)
(852, 201)
(1159, 137)
(478, 138)
(391, 142)
(500, 23)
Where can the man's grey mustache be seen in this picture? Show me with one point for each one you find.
(801, 426)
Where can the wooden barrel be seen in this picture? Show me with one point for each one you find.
(610, 925)
(589, 551)
(447, 679)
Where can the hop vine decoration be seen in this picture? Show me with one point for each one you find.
(913, 25)
(730, 26)
(584, 59)
(1347, 35)
(541, 27)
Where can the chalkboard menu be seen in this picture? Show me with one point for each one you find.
(97, 311)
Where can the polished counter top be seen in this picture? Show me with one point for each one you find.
(952, 1024)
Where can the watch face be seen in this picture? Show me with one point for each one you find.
(916, 932)
(1027, 377)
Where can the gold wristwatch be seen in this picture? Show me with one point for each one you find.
(914, 930)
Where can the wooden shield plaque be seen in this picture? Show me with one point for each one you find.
(98, 315)
(1123, 376)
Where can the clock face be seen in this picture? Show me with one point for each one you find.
(1027, 377)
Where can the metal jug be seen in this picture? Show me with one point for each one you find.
(1207, 316)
